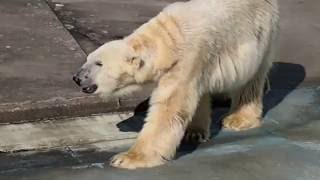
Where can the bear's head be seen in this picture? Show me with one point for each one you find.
(114, 69)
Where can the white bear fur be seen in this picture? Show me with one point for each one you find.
(191, 49)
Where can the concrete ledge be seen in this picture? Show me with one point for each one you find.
(79, 131)
(69, 132)
(57, 108)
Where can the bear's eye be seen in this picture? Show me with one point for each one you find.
(98, 63)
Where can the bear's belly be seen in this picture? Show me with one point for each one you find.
(234, 69)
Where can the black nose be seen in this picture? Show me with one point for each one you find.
(77, 79)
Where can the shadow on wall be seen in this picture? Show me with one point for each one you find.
(283, 78)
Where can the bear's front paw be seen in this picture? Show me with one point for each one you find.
(133, 160)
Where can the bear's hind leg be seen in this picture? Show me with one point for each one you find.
(246, 107)
(198, 130)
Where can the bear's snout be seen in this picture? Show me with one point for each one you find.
(77, 79)
(81, 79)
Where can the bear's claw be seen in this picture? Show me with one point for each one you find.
(133, 160)
(196, 137)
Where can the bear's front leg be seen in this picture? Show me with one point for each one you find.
(161, 135)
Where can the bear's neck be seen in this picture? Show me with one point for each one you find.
(157, 41)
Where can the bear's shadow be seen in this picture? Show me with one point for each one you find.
(284, 77)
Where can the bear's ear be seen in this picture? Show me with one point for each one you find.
(136, 44)
(135, 61)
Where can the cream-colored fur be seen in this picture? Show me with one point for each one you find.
(190, 49)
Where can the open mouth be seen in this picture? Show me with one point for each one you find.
(90, 89)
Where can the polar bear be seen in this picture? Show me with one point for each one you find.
(190, 50)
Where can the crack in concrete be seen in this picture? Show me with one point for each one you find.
(50, 5)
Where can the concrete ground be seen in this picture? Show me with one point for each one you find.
(49, 130)
(38, 57)
(287, 146)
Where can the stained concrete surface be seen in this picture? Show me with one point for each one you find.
(37, 56)
(35, 49)
(69, 132)
(287, 146)
(37, 59)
